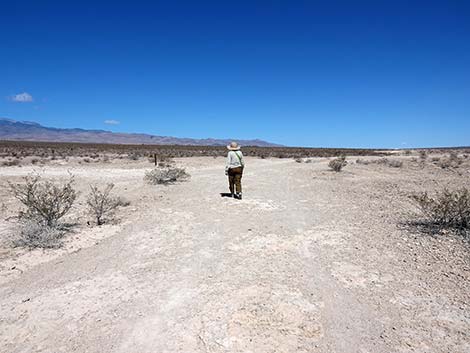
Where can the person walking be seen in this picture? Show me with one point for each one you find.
(234, 169)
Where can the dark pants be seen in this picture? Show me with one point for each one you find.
(235, 179)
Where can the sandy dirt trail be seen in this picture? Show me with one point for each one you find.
(290, 268)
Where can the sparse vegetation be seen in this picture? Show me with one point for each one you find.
(446, 209)
(337, 164)
(423, 155)
(11, 162)
(101, 204)
(46, 202)
(394, 163)
(165, 175)
(32, 234)
(90, 151)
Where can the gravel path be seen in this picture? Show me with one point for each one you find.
(308, 261)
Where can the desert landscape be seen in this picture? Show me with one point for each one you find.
(311, 260)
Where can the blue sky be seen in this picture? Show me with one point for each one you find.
(301, 73)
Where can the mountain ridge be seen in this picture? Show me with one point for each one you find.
(11, 129)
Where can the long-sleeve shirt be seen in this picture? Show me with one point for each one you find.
(233, 161)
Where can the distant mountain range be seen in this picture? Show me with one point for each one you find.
(31, 131)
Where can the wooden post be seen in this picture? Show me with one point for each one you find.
(155, 159)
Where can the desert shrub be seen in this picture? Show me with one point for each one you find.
(446, 208)
(362, 161)
(299, 160)
(423, 155)
(32, 234)
(451, 161)
(395, 163)
(308, 160)
(134, 156)
(337, 164)
(165, 175)
(11, 163)
(101, 204)
(46, 202)
(407, 152)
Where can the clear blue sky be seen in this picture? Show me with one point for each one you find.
(301, 73)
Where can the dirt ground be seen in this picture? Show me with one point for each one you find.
(309, 261)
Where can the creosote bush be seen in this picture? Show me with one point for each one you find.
(101, 204)
(338, 163)
(165, 175)
(46, 202)
(447, 209)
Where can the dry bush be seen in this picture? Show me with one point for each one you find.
(134, 156)
(362, 161)
(299, 160)
(338, 163)
(101, 204)
(46, 202)
(393, 163)
(11, 163)
(423, 155)
(451, 161)
(32, 234)
(447, 209)
(165, 175)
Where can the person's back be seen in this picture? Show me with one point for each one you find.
(234, 169)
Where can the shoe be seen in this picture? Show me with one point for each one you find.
(239, 196)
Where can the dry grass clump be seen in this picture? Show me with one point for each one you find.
(166, 175)
(337, 164)
(32, 234)
(101, 204)
(446, 209)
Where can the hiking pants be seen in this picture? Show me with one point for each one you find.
(235, 179)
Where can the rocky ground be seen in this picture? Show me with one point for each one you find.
(309, 261)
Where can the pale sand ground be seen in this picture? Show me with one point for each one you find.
(309, 261)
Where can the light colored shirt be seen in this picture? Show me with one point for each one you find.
(234, 161)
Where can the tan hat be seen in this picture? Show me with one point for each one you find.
(233, 146)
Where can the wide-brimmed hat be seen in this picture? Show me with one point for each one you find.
(233, 146)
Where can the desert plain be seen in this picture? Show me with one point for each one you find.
(309, 261)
